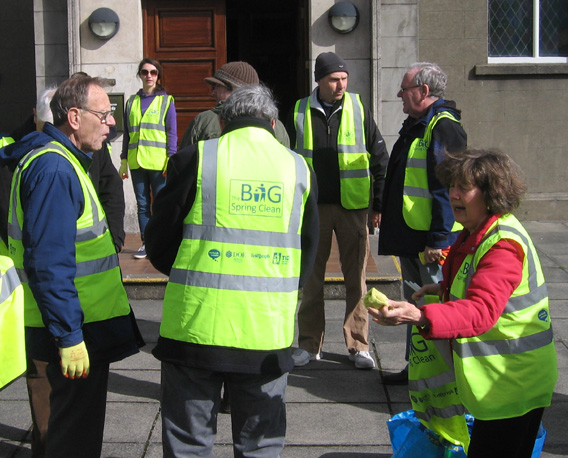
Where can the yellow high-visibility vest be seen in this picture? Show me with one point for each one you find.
(234, 282)
(12, 339)
(98, 279)
(511, 369)
(147, 133)
(352, 155)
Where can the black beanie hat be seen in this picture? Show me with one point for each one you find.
(329, 62)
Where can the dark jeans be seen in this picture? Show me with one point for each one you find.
(147, 184)
(507, 438)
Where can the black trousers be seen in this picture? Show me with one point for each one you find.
(507, 438)
(77, 413)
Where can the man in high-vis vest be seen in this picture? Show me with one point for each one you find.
(235, 228)
(339, 137)
(77, 315)
(417, 217)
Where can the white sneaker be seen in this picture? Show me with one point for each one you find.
(362, 359)
(141, 253)
(302, 357)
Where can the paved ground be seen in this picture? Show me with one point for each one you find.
(334, 410)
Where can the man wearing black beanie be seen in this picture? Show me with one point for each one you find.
(339, 138)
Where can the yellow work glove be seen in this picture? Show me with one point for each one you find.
(75, 361)
(123, 170)
(374, 298)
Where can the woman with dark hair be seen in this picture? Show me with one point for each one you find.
(150, 138)
(493, 307)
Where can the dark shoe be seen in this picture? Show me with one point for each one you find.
(396, 378)
(225, 406)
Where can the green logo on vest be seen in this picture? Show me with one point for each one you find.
(256, 198)
(214, 254)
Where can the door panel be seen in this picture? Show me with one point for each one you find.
(189, 41)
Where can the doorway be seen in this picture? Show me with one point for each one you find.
(272, 37)
(191, 39)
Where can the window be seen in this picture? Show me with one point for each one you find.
(528, 31)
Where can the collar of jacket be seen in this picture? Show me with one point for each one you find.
(84, 158)
(240, 123)
(438, 106)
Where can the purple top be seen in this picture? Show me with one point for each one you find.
(171, 124)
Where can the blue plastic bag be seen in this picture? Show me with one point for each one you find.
(410, 439)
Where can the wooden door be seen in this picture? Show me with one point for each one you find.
(189, 40)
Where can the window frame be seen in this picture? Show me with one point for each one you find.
(535, 58)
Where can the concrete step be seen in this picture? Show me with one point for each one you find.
(143, 282)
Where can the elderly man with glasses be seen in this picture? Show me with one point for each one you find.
(418, 222)
(77, 315)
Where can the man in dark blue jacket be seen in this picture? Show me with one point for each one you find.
(53, 195)
(417, 216)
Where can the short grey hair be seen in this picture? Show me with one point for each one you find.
(433, 76)
(251, 101)
(43, 110)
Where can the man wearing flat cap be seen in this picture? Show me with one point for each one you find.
(339, 138)
(225, 80)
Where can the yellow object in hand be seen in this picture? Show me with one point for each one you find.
(75, 361)
(374, 298)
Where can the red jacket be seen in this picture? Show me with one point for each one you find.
(498, 274)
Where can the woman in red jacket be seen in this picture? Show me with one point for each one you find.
(493, 309)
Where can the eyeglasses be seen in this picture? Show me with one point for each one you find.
(402, 89)
(145, 72)
(102, 115)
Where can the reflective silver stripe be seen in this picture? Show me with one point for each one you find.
(536, 293)
(432, 382)
(150, 143)
(128, 110)
(361, 173)
(417, 192)
(517, 303)
(445, 412)
(233, 282)
(503, 347)
(96, 229)
(416, 163)
(96, 266)
(209, 185)
(301, 186)
(164, 107)
(10, 282)
(300, 119)
(99, 226)
(22, 275)
(134, 129)
(359, 146)
(152, 126)
(244, 236)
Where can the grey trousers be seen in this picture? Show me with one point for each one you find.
(190, 400)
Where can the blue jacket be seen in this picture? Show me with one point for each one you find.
(49, 254)
(395, 237)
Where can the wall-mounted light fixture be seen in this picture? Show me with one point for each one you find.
(343, 17)
(104, 23)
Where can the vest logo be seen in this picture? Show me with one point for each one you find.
(418, 345)
(543, 315)
(256, 198)
(280, 259)
(235, 256)
(214, 254)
